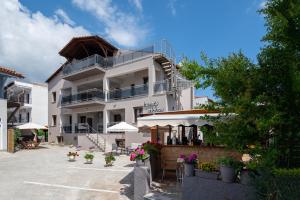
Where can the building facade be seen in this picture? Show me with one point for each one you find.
(32, 101)
(100, 85)
(5, 74)
(201, 101)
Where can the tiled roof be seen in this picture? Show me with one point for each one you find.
(10, 72)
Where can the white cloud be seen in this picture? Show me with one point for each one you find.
(137, 4)
(262, 4)
(29, 42)
(65, 18)
(124, 28)
(172, 7)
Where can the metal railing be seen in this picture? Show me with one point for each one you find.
(66, 129)
(128, 92)
(88, 95)
(160, 47)
(162, 86)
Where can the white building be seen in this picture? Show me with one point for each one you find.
(5, 73)
(101, 85)
(201, 101)
(32, 99)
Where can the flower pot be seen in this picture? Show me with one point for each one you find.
(244, 177)
(140, 163)
(89, 161)
(72, 158)
(207, 175)
(188, 169)
(227, 174)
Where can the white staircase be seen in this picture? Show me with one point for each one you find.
(97, 140)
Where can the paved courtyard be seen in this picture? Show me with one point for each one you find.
(45, 174)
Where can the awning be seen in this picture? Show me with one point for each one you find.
(122, 127)
(175, 120)
(29, 126)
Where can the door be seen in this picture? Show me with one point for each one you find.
(90, 123)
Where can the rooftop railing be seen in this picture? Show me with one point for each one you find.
(160, 47)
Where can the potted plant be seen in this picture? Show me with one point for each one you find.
(189, 164)
(109, 158)
(72, 156)
(89, 158)
(207, 170)
(250, 167)
(139, 155)
(228, 168)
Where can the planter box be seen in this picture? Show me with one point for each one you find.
(207, 175)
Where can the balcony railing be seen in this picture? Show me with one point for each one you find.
(162, 86)
(66, 129)
(129, 92)
(89, 95)
(86, 128)
(78, 65)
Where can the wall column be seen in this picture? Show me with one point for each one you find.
(152, 79)
(105, 120)
(105, 87)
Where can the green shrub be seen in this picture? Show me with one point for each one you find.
(207, 167)
(278, 184)
(109, 158)
(17, 135)
(89, 156)
(230, 162)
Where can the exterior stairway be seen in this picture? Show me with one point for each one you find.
(96, 138)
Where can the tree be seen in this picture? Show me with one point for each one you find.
(264, 97)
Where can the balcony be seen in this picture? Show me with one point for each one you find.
(129, 92)
(86, 67)
(162, 87)
(88, 97)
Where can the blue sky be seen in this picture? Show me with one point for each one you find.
(212, 26)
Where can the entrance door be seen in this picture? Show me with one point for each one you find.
(90, 123)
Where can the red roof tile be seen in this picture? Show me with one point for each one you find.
(10, 72)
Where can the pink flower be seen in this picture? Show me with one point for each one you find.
(132, 156)
(142, 152)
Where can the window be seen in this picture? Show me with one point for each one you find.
(137, 112)
(53, 120)
(117, 118)
(20, 118)
(27, 98)
(27, 117)
(145, 80)
(53, 97)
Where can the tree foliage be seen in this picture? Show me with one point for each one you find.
(264, 97)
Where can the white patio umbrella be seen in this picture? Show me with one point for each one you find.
(29, 126)
(122, 127)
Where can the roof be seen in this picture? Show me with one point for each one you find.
(122, 127)
(67, 50)
(175, 120)
(10, 72)
(178, 112)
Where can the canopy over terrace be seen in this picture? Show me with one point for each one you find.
(181, 126)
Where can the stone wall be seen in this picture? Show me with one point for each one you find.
(169, 154)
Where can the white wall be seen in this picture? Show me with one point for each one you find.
(3, 124)
(39, 111)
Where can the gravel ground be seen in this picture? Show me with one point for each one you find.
(45, 173)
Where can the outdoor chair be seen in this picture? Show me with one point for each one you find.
(115, 149)
(168, 165)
